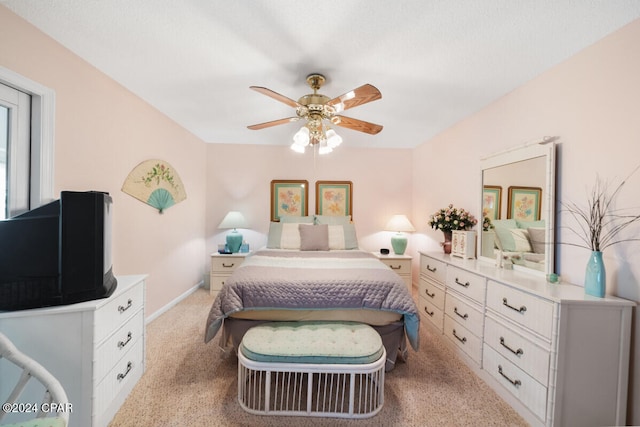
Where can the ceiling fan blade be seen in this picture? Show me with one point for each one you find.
(362, 95)
(359, 125)
(263, 90)
(273, 123)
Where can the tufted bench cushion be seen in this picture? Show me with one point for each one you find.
(312, 342)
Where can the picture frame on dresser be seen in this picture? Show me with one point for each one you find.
(524, 203)
(289, 197)
(334, 198)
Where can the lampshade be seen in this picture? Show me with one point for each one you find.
(400, 224)
(234, 220)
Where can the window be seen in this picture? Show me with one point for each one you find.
(26, 144)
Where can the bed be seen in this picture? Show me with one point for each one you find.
(301, 284)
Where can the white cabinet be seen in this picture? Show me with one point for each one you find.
(401, 264)
(96, 349)
(557, 356)
(222, 265)
(431, 291)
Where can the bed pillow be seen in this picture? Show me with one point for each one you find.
(333, 220)
(283, 236)
(504, 240)
(342, 237)
(314, 237)
(521, 240)
(537, 239)
(297, 219)
(530, 224)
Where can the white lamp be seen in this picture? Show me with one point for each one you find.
(400, 224)
(234, 220)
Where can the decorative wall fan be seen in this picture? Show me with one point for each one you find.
(320, 111)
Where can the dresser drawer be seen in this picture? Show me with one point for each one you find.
(523, 353)
(431, 292)
(469, 284)
(222, 264)
(465, 314)
(434, 269)
(526, 389)
(118, 310)
(525, 309)
(129, 368)
(400, 266)
(431, 313)
(117, 345)
(463, 338)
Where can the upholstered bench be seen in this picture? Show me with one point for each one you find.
(321, 369)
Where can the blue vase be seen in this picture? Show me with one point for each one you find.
(595, 278)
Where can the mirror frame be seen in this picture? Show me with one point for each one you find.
(544, 147)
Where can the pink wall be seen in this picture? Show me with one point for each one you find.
(591, 102)
(102, 131)
(239, 177)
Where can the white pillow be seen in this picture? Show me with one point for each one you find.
(290, 236)
(521, 240)
(342, 237)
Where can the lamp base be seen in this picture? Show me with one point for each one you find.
(399, 244)
(234, 241)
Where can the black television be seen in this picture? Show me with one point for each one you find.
(58, 254)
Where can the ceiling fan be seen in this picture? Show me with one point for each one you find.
(318, 110)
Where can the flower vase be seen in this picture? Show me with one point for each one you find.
(595, 279)
(446, 245)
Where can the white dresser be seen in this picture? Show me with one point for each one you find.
(557, 356)
(95, 348)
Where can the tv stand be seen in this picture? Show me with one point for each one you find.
(96, 349)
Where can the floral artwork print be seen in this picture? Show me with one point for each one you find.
(333, 198)
(156, 183)
(288, 198)
(524, 203)
(289, 202)
(334, 202)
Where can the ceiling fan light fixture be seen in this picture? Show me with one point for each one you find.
(301, 137)
(323, 148)
(333, 139)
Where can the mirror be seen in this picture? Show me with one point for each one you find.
(518, 196)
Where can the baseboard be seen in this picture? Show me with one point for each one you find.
(173, 303)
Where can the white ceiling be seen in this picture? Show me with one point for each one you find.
(435, 61)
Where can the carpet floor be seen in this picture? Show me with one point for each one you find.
(190, 383)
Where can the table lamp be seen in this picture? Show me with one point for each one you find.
(234, 220)
(400, 224)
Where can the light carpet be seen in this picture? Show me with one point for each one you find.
(190, 383)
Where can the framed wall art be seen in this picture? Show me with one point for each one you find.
(334, 198)
(491, 201)
(289, 197)
(524, 203)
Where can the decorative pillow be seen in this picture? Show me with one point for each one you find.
(504, 223)
(283, 236)
(343, 237)
(537, 239)
(333, 220)
(314, 237)
(297, 219)
(530, 224)
(521, 240)
(504, 239)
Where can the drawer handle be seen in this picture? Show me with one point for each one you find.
(462, 340)
(122, 375)
(426, 291)
(228, 265)
(465, 284)
(427, 311)
(520, 310)
(121, 344)
(122, 309)
(395, 268)
(519, 352)
(516, 383)
(433, 270)
(464, 316)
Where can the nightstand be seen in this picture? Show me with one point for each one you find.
(401, 264)
(221, 268)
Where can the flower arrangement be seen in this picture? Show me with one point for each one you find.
(450, 218)
(599, 223)
(486, 224)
